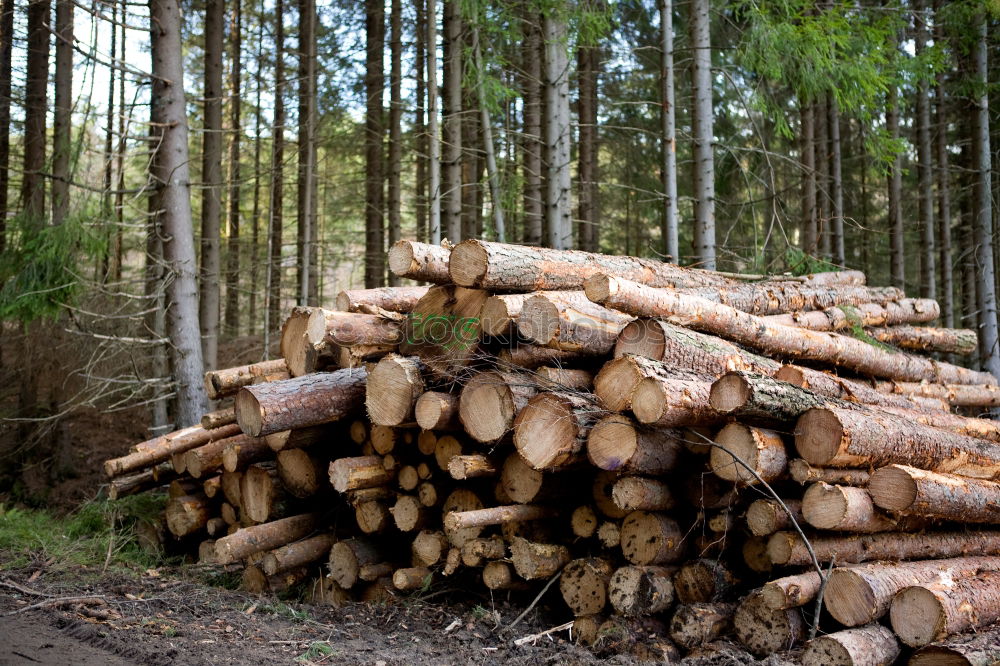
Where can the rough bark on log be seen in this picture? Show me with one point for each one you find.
(787, 548)
(987, 429)
(763, 630)
(222, 383)
(296, 554)
(872, 645)
(444, 330)
(565, 379)
(393, 299)
(160, 449)
(792, 591)
(584, 585)
(537, 560)
(698, 624)
(831, 386)
(258, 538)
(358, 473)
(490, 401)
(393, 389)
(635, 591)
(803, 473)
(931, 612)
(123, 486)
(531, 357)
(767, 337)
(243, 452)
(297, 403)
(847, 438)
(569, 321)
(218, 418)
(903, 311)
(844, 509)
(437, 411)
(523, 268)
(300, 438)
(774, 298)
(765, 517)
(616, 444)
(927, 339)
(551, 431)
(957, 395)
(915, 491)
(208, 458)
(651, 538)
(749, 396)
(476, 551)
(703, 581)
(420, 261)
(187, 514)
(348, 556)
(978, 649)
(762, 450)
(495, 515)
(637, 493)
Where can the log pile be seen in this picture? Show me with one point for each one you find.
(695, 456)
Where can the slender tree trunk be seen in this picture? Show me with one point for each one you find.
(211, 175)
(531, 147)
(315, 286)
(925, 163)
(836, 183)
(6, 52)
(557, 132)
(395, 128)
(374, 130)
(588, 62)
(235, 126)
(451, 213)
(944, 194)
(668, 138)
(111, 262)
(809, 229)
(988, 333)
(277, 179)
(305, 185)
(419, 122)
(970, 287)
(171, 173)
(823, 179)
(433, 138)
(63, 123)
(35, 109)
(119, 206)
(470, 155)
(255, 216)
(499, 226)
(702, 129)
(897, 258)
(155, 319)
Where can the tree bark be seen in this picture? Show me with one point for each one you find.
(395, 128)
(872, 645)
(927, 339)
(698, 624)
(558, 211)
(233, 249)
(297, 554)
(946, 496)
(296, 403)
(35, 109)
(925, 160)
(702, 123)
(943, 181)
(531, 140)
(831, 386)
(258, 538)
(897, 257)
(787, 548)
(6, 54)
(392, 299)
(891, 313)
(374, 151)
(211, 176)
(223, 383)
(973, 649)
(668, 138)
(808, 224)
(434, 141)
(306, 271)
(62, 129)
(791, 591)
(836, 183)
(570, 322)
(588, 72)
(451, 195)
(276, 214)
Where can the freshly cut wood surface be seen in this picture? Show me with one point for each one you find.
(435, 410)
(242, 452)
(187, 514)
(639, 493)
(297, 554)
(357, 473)
(420, 261)
(903, 311)
(756, 397)
(571, 322)
(617, 444)
(221, 383)
(787, 548)
(490, 401)
(393, 389)
(393, 299)
(766, 516)
(537, 560)
(349, 555)
(702, 581)
(975, 649)
(411, 578)
(500, 314)
(669, 403)
(258, 538)
(551, 431)
(471, 467)
(263, 409)
(300, 438)
(792, 591)
(933, 611)
(651, 538)
(761, 449)
(635, 591)
(946, 496)
(584, 585)
(619, 377)
(444, 329)
(871, 645)
(208, 458)
(302, 473)
(764, 630)
(844, 509)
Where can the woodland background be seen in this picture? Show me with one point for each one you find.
(173, 178)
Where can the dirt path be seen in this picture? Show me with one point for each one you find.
(26, 640)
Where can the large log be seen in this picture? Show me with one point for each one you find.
(635, 591)
(975, 649)
(773, 298)
(486, 265)
(571, 322)
(702, 581)
(639, 493)
(764, 630)
(297, 403)
(787, 548)
(490, 401)
(302, 473)
(669, 403)
(159, 449)
(297, 554)
(222, 383)
(243, 452)
(444, 330)
(849, 438)
(500, 313)
(537, 560)
(844, 509)
(931, 612)
(259, 538)
(357, 473)
(915, 491)
(393, 389)
(187, 514)
(619, 378)
(420, 261)
(872, 645)
(616, 444)
(584, 585)
(392, 299)
(768, 337)
(927, 339)
(903, 311)
(831, 386)
(259, 494)
(957, 395)
(347, 557)
(760, 449)
(858, 595)
(328, 332)
(551, 431)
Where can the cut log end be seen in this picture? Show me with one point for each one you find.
(436, 411)
(762, 450)
(248, 413)
(892, 488)
(729, 393)
(544, 429)
(400, 258)
(818, 436)
(486, 411)
(873, 645)
(612, 442)
(849, 598)
(917, 616)
(539, 320)
(468, 264)
(393, 388)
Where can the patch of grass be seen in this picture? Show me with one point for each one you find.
(99, 533)
(282, 609)
(316, 651)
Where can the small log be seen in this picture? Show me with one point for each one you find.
(750, 396)
(636, 591)
(384, 439)
(208, 458)
(444, 331)
(843, 508)
(755, 555)
(762, 450)
(231, 487)
(802, 472)
(765, 517)
(427, 442)
(357, 473)
(437, 411)
(956, 395)
(427, 494)
(927, 339)
(500, 576)
(408, 478)
(831, 386)
(674, 402)
(872, 645)
(791, 591)
(373, 572)
(601, 489)
(476, 552)
(500, 313)
(903, 311)
(215, 527)
(931, 612)
(490, 401)
(496, 515)
(551, 431)
(160, 449)
(651, 538)
(787, 548)
(393, 388)
(124, 486)
(583, 522)
(348, 556)
(570, 321)
(471, 467)
(372, 517)
(222, 383)
(452, 561)
(636, 493)
(393, 299)
(763, 630)
(537, 560)
(212, 486)
(259, 538)
(300, 438)
(934, 495)
(584, 585)
(446, 448)
(242, 452)
(609, 534)
(616, 443)
(218, 418)
(703, 581)
(976, 649)
(642, 638)
(301, 472)
(522, 484)
(408, 513)
(722, 522)
(229, 514)
(531, 357)
(297, 554)
(187, 514)
(698, 624)
(412, 578)
(325, 591)
(585, 628)
(861, 594)
(461, 500)
(845, 438)
(259, 494)
(565, 379)
(429, 548)
(263, 409)
(359, 431)
(420, 261)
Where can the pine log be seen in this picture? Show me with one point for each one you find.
(987, 429)
(601, 489)
(187, 514)
(476, 263)
(531, 357)
(242, 452)
(429, 548)
(762, 450)
(618, 379)
(803, 473)
(218, 418)
(348, 556)
(447, 447)
(358, 431)
(408, 579)
(689, 350)
(702, 581)
(471, 467)
(500, 576)
(675, 402)
(231, 487)
(894, 313)
(500, 313)
(476, 552)
(831, 386)
(420, 261)
(460, 500)
(583, 522)
(383, 439)
(123, 486)
(915, 491)
(617, 444)
(651, 538)
(585, 628)
(609, 534)
(393, 389)
(427, 494)
(496, 515)
(212, 485)
(230, 514)
(259, 538)
(976, 649)
(537, 560)
(772, 298)
(358, 356)
(259, 494)
(698, 624)
(845, 438)
(408, 478)
(222, 383)
(635, 591)
(792, 591)
(844, 509)
(767, 337)
(861, 594)
(208, 458)
(749, 396)
(372, 517)
(931, 612)
(927, 339)
(787, 548)
(301, 472)
(297, 554)
(427, 442)
(393, 299)
(765, 517)
(523, 484)
(569, 321)
(637, 493)
(957, 395)
(722, 522)
(437, 411)
(357, 473)
(846, 277)
(754, 552)
(160, 449)
(300, 438)
(408, 513)
(551, 430)
(490, 401)
(443, 329)
(872, 645)
(584, 585)
(763, 630)
(297, 403)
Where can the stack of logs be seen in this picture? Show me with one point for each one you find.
(790, 461)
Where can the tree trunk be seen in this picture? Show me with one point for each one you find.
(702, 123)
(306, 181)
(928, 339)
(222, 383)
(931, 612)
(925, 161)
(872, 645)
(844, 509)
(296, 403)
(883, 394)
(62, 129)
(6, 53)
(823, 189)
(499, 223)
(771, 300)
(802, 473)
(297, 554)
(395, 130)
(792, 591)
(274, 264)
(762, 450)
(897, 230)
(421, 141)
(232, 308)
(558, 212)
(374, 151)
(451, 214)
(668, 138)
(257, 171)
(531, 139)
(588, 68)
(35, 106)
(787, 548)
(836, 183)
(943, 191)
(443, 329)
(703, 581)
(434, 140)
(808, 224)
(637, 493)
